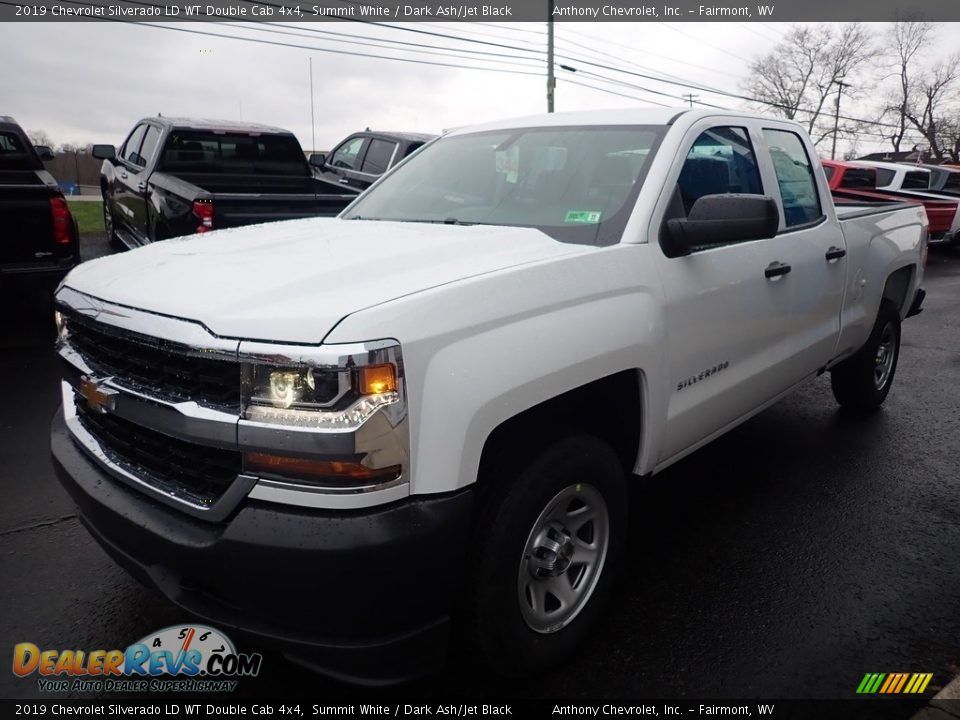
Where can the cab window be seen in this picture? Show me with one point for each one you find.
(131, 149)
(798, 188)
(346, 156)
(721, 160)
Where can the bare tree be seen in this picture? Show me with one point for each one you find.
(39, 137)
(797, 78)
(925, 98)
(933, 108)
(908, 39)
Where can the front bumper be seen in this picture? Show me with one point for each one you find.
(364, 596)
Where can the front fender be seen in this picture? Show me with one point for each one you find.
(480, 351)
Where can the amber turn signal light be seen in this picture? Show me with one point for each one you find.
(376, 379)
(319, 471)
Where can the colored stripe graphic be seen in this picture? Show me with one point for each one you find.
(894, 683)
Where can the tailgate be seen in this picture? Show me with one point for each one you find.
(235, 210)
(26, 228)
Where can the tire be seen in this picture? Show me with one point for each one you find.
(863, 381)
(545, 502)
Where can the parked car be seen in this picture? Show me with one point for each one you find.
(39, 242)
(944, 179)
(175, 177)
(360, 160)
(897, 176)
(337, 430)
(854, 182)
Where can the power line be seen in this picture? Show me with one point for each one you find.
(611, 92)
(669, 26)
(389, 44)
(608, 41)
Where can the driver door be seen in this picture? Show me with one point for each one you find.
(726, 321)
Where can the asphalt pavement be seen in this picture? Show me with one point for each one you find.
(785, 560)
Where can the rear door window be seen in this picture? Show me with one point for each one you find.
(150, 140)
(798, 187)
(378, 156)
(884, 177)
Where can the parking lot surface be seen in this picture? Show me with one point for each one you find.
(788, 558)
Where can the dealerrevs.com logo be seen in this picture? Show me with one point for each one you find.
(187, 658)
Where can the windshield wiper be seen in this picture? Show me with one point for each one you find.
(446, 221)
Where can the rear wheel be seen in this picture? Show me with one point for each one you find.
(546, 556)
(863, 381)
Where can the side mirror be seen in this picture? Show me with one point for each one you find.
(721, 220)
(44, 152)
(104, 152)
(318, 160)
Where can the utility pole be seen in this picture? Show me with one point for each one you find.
(836, 118)
(691, 97)
(313, 122)
(551, 80)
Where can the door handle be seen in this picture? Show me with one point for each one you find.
(141, 186)
(344, 181)
(776, 269)
(123, 176)
(835, 253)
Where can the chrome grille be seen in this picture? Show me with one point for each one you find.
(154, 366)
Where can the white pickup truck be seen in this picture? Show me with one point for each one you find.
(349, 435)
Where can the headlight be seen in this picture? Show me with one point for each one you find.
(315, 393)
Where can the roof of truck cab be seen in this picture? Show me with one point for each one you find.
(896, 167)
(618, 116)
(407, 136)
(207, 124)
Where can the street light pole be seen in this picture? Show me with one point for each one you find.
(551, 80)
(836, 118)
(313, 122)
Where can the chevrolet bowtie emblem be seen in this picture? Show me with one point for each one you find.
(98, 399)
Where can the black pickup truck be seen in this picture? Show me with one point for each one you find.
(175, 177)
(38, 235)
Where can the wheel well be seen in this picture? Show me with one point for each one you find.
(609, 408)
(896, 287)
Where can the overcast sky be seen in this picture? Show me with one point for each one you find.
(90, 81)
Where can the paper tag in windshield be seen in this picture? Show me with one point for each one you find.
(590, 217)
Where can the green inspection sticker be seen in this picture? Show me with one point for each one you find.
(582, 216)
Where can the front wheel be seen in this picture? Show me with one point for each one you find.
(547, 554)
(863, 381)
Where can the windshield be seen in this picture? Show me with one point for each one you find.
(233, 154)
(577, 184)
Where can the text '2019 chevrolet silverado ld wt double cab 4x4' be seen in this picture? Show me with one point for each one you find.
(338, 434)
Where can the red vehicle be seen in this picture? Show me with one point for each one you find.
(854, 183)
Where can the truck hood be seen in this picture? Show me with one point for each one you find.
(294, 281)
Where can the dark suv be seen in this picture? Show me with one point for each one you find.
(362, 158)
